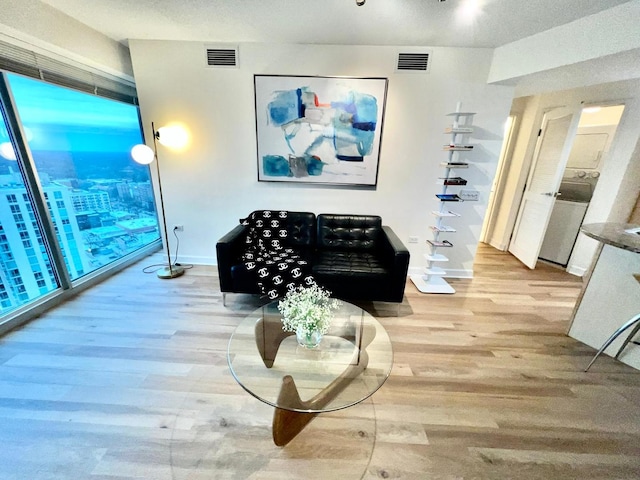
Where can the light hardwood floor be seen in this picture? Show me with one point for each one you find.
(130, 380)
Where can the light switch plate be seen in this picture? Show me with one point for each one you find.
(469, 195)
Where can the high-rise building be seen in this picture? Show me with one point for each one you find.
(89, 200)
(25, 268)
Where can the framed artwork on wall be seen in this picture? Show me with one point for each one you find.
(322, 130)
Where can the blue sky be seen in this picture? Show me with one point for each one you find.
(62, 119)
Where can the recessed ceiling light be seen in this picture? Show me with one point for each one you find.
(591, 109)
(468, 11)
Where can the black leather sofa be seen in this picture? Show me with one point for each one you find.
(355, 257)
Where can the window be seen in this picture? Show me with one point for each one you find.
(80, 145)
(18, 266)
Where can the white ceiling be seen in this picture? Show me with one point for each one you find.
(378, 22)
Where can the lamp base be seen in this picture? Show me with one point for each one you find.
(173, 272)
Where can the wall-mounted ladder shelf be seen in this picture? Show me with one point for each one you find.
(432, 281)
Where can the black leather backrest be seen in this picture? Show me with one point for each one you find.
(352, 232)
(301, 227)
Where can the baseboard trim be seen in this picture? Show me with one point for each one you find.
(455, 273)
(195, 260)
(578, 271)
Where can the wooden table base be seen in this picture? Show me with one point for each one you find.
(289, 422)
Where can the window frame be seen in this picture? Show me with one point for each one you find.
(67, 287)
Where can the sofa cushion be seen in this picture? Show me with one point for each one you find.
(355, 265)
(352, 232)
(301, 227)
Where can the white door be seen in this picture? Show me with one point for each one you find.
(498, 180)
(559, 127)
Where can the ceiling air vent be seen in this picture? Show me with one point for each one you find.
(413, 62)
(222, 57)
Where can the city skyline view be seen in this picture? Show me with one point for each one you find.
(100, 200)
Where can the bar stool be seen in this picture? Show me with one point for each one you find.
(634, 320)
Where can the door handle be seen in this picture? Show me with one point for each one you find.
(551, 194)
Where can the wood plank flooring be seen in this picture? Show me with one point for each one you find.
(130, 380)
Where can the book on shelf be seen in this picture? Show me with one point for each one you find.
(458, 129)
(454, 165)
(445, 213)
(468, 195)
(442, 228)
(440, 243)
(452, 181)
(457, 147)
(448, 197)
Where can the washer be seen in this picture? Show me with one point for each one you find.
(562, 232)
(566, 219)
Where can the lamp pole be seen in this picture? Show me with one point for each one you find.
(171, 271)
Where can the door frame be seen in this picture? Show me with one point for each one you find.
(543, 205)
(500, 179)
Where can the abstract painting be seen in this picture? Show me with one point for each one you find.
(324, 130)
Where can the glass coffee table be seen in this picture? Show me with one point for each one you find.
(351, 363)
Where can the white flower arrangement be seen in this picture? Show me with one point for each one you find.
(307, 309)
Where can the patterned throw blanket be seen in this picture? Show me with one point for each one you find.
(277, 269)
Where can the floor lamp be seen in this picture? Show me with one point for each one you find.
(144, 155)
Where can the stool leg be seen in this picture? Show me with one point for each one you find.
(615, 335)
(629, 337)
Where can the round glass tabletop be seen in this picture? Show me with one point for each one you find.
(352, 361)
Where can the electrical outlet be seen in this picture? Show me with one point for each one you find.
(413, 239)
(178, 228)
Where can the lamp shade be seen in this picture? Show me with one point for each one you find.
(142, 154)
(173, 136)
(7, 151)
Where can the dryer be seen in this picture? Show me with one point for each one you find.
(566, 218)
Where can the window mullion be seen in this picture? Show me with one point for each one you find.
(32, 183)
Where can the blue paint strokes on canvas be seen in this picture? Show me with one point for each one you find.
(285, 107)
(367, 126)
(350, 158)
(317, 143)
(278, 166)
(366, 108)
(290, 134)
(275, 166)
(348, 123)
(314, 166)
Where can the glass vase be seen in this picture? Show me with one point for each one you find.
(308, 339)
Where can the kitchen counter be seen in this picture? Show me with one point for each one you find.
(615, 234)
(611, 292)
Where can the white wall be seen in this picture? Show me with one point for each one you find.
(609, 301)
(599, 48)
(214, 183)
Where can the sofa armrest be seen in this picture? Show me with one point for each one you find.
(228, 251)
(398, 257)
